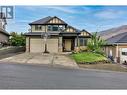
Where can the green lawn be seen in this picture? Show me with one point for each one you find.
(87, 57)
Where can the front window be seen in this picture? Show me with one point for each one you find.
(83, 42)
(38, 27)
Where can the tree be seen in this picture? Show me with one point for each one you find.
(17, 39)
(96, 43)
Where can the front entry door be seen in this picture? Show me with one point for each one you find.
(68, 44)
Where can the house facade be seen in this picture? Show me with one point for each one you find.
(4, 36)
(117, 47)
(55, 35)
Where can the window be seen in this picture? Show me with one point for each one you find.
(38, 27)
(49, 28)
(55, 28)
(61, 27)
(124, 53)
(83, 42)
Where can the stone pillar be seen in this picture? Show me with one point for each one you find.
(60, 44)
(27, 44)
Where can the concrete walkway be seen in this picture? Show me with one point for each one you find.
(47, 59)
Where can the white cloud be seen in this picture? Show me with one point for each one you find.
(109, 14)
(66, 9)
(63, 9)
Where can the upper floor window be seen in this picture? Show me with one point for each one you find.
(61, 27)
(38, 27)
(49, 28)
(55, 28)
(83, 42)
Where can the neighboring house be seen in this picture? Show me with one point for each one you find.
(117, 47)
(4, 36)
(62, 37)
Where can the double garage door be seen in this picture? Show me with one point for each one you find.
(37, 45)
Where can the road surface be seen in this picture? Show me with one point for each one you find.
(21, 76)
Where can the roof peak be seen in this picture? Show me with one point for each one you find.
(45, 20)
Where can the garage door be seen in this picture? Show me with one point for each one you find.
(52, 45)
(36, 45)
(123, 54)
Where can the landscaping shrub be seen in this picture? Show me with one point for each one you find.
(17, 39)
(95, 44)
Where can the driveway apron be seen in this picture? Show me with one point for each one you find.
(49, 59)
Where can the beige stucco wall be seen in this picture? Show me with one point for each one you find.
(70, 30)
(108, 48)
(55, 20)
(3, 37)
(114, 49)
(44, 28)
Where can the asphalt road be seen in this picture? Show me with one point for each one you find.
(19, 76)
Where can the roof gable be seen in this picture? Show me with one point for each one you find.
(85, 33)
(71, 29)
(48, 20)
(56, 20)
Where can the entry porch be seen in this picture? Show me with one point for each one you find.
(68, 42)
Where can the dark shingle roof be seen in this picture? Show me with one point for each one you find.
(120, 38)
(41, 21)
(45, 20)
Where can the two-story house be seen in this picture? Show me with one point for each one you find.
(60, 36)
(4, 36)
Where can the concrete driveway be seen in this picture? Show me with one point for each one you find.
(47, 59)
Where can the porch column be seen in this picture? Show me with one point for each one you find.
(76, 44)
(60, 44)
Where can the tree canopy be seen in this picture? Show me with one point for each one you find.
(17, 39)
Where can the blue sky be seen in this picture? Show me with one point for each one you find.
(91, 18)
